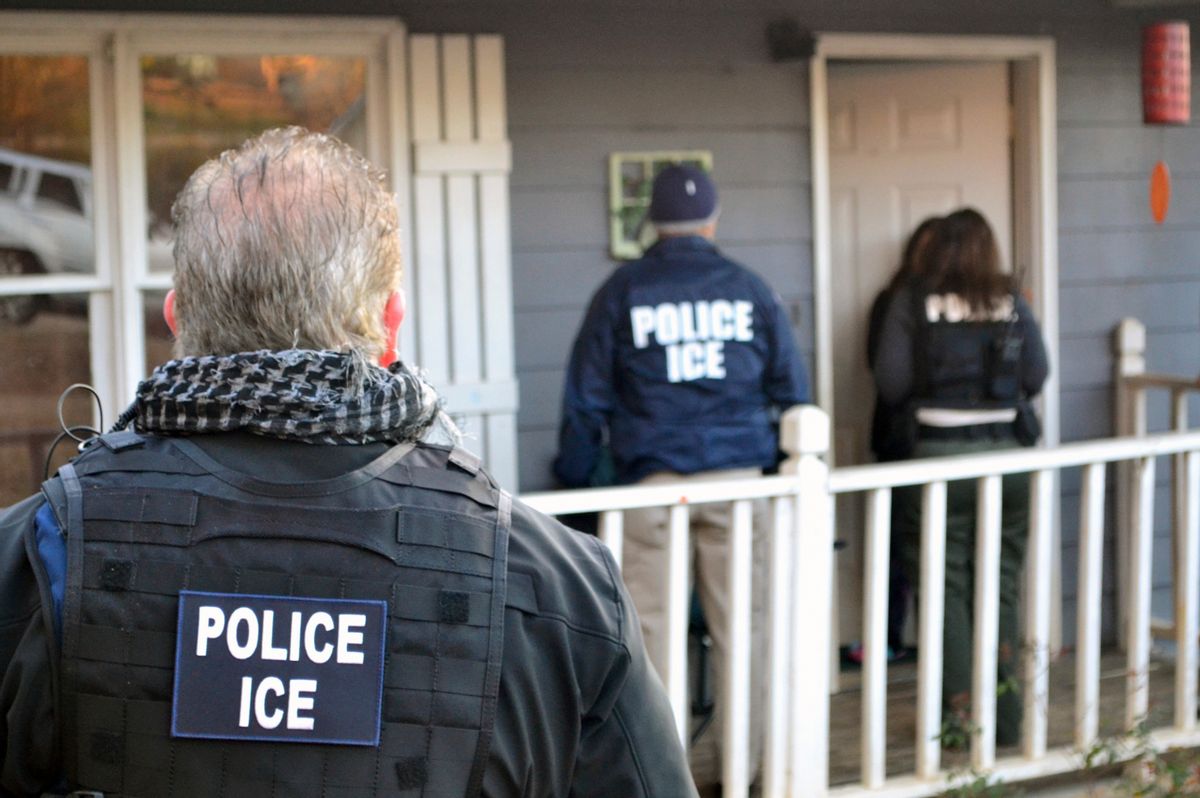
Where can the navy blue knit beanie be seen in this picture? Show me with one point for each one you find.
(682, 195)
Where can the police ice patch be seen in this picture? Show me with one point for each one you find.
(278, 668)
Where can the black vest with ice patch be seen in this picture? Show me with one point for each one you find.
(966, 363)
(420, 528)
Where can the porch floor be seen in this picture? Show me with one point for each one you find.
(846, 727)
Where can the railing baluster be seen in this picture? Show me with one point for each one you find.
(812, 557)
(1037, 613)
(735, 760)
(1187, 596)
(1179, 423)
(874, 703)
(678, 605)
(1131, 421)
(612, 532)
(932, 616)
(987, 620)
(1137, 672)
(779, 646)
(1089, 609)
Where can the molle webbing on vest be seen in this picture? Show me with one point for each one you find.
(147, 521)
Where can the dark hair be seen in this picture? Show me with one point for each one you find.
(966, 261)
(914, 260)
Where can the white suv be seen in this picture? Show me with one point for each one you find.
(46, 225)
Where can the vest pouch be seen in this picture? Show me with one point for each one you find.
(1004, 367)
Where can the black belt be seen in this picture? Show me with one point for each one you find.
(970, 432)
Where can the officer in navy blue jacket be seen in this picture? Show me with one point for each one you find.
(684, 357)
(681, 367)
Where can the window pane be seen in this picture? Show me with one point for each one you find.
(45, 166)
(38, 360)
(60, 189)
(197, 106)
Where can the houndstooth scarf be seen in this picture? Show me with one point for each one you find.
(297, 394)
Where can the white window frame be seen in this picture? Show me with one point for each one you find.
(114, 44)
(17, 39)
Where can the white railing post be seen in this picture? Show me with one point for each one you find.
(875, 623)
(1129, 345)
(1088, 607)
(779, 650)
(735, 754)
(804, 432)
(987, 622)
(1137, 670)
(612, 532)
(1037, 612)
(1179, 423)
(1187, 595)
(930, 627)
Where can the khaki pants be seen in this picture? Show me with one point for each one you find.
(645, 574)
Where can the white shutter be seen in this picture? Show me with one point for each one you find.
(461, 303)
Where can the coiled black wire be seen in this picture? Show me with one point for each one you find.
(74, 431)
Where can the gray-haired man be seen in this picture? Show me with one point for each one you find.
(265, 581)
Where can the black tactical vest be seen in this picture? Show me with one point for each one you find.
(967, 363)
(421, 528)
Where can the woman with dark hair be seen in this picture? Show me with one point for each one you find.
(888, 423)
(960, 352)
(912, 264)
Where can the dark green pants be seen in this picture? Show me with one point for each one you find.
(960, 579)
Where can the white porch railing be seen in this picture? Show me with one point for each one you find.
(801, 553)
(1134, 386)
(796, 723)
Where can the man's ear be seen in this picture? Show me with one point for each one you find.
(393, 317)
(169, 312)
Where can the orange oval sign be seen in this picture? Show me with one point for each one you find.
(1160, 192)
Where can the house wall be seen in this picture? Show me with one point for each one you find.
(588, 77)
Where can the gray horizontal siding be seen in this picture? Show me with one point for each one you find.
(577, 218)
(583, 85)
(751, 155)
(587, 78)
(682, 97)
(1141, 254)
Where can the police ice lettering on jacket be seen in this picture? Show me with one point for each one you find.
(953, 308)
(286, 668)
(300, 692)
(693, 334)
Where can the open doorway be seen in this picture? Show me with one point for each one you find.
(904, 127)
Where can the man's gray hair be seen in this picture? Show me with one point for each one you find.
(689, 227)
(289, 241)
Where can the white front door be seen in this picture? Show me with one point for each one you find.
(906, 141)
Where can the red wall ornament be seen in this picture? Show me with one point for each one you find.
(1166, 74)
(1160, 192)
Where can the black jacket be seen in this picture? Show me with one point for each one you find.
(580, 710)
(895, 363)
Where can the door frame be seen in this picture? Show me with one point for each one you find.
(1035, 202)
(1034, 169)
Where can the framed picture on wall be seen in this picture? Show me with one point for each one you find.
(630, 177)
